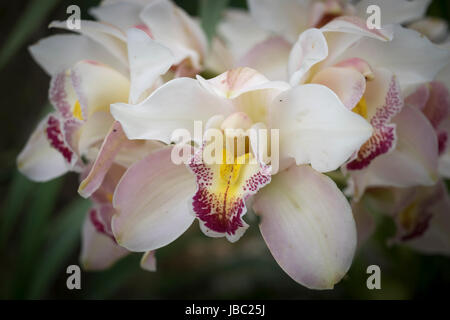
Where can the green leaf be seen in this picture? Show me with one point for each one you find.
(210, 15)
(32, 233)
(63, 238)
(107, 282)
(19, 189)
(34, 15)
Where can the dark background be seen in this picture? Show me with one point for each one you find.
(40, 223)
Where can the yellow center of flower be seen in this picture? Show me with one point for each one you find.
(230, 168)
(361, 108)
(408, 217)
(77, 111)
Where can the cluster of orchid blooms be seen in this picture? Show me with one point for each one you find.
(370, 104)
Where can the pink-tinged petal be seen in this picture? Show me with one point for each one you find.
(431, 228)
(347, 83)
(357, 26)
(269, 57)
(111, 146)
(442, 141)
(308, 226)
(444, 148)
(433, 28)
(222, 190)
(233, 83)
(287, 18)
(410, 56)
(101, 216)
(62, 51)
(397, 11)
(145, 68)
(419, 98)
(116, 150)
(413, 161)
(365, 223)
(359, 65)
(104, 193)
(437, 107)
(384, 101)
(175, 105)
(98, 250)
(315, 127)
(422, 218)
(310, 49)
(97, 86)
(172, 27)
(110, 37)
(148, 261)
(152, 203)
(38, 160)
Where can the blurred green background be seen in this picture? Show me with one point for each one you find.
(40, 223)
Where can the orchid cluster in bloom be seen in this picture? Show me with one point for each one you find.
(301, 89)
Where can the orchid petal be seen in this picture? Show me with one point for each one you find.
(235, 82)
(357, 26)
(110, 37)
(104, 193)
(383, 101)
(308, 226)
(152, 203)
(148, 261)
(222, 190)
(403, 56)
(444, 148)
(359, 65)
(175, 29)
(398, 11)
(239, 32)
(348, 84)
(437, 107)
(111, 146)
(269, 57)
(38, 160)
(145, 68)
(310, 49)
(175, 105)
(288, 18)
(315, 127)
(419, 98)
(93, 132)
(59, 52)
(413, 162)
(97, 86)
(98, 251)
(122, 15)
(435, 238)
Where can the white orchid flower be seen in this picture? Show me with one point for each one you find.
(81, 135)
(306, 221)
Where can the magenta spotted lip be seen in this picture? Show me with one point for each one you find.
(220, 207)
